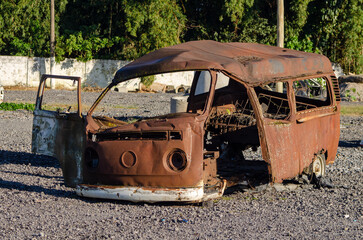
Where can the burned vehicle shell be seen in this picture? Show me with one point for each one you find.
(243, 96)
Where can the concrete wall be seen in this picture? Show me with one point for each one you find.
(26, 71)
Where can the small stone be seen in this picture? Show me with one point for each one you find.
(279, 187)
(291, 186)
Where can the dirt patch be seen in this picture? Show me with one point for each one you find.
(20, 88)
(351, 91)
(351, 78)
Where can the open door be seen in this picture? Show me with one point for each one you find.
(60, 133)
(279, 132)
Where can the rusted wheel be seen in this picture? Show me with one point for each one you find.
(317, 167)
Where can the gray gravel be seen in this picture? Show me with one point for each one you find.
(35, 204)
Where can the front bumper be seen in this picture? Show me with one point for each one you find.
(142, 194)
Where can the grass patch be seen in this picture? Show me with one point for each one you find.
(12, 106)
(15, 106)
(226, 198)
(132, 120)
(63, 107)
(250, 198)
(352, 110)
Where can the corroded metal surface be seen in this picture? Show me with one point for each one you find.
(250, 62)
(192, 156)
(60, 134)
(45, 129)
(150, 141)
(292, 144)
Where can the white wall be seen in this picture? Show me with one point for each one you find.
(26, 71)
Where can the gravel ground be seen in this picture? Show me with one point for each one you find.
(35, 204)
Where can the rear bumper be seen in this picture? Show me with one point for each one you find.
(142, 194)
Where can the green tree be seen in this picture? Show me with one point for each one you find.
(336, 29)
(121, 29)
(151, 24)
(127, 29)
(25, 26)
(236, 20)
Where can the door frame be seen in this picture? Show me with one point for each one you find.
(60, 134)
(41, 88)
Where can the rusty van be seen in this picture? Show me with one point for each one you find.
(243, 96)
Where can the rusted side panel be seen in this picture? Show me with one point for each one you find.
(70, 142)
(290, 145)
(283, 151)
(319, 131)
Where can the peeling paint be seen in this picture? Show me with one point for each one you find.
(188, 156)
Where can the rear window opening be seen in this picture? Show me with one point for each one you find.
(311, 93)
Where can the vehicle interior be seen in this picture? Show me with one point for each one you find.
(232, 138)
(231, 125)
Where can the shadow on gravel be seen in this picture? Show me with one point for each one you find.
(353, 143)
(35, 175)
(124, 202)
(37, 189)
(27, 158)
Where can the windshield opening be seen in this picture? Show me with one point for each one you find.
(152, 97)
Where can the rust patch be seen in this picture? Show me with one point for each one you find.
(194, 155)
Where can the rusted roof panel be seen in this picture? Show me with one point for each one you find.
(250, 62)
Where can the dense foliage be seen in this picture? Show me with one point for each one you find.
(7, 106)
(24, 26)
(127, 29)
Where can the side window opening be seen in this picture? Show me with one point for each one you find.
(231, 113)
(222, 81)
(274, 104)
(65, 102)
(311, 93)
(203, 83)
(60, 102)
(199, 96)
